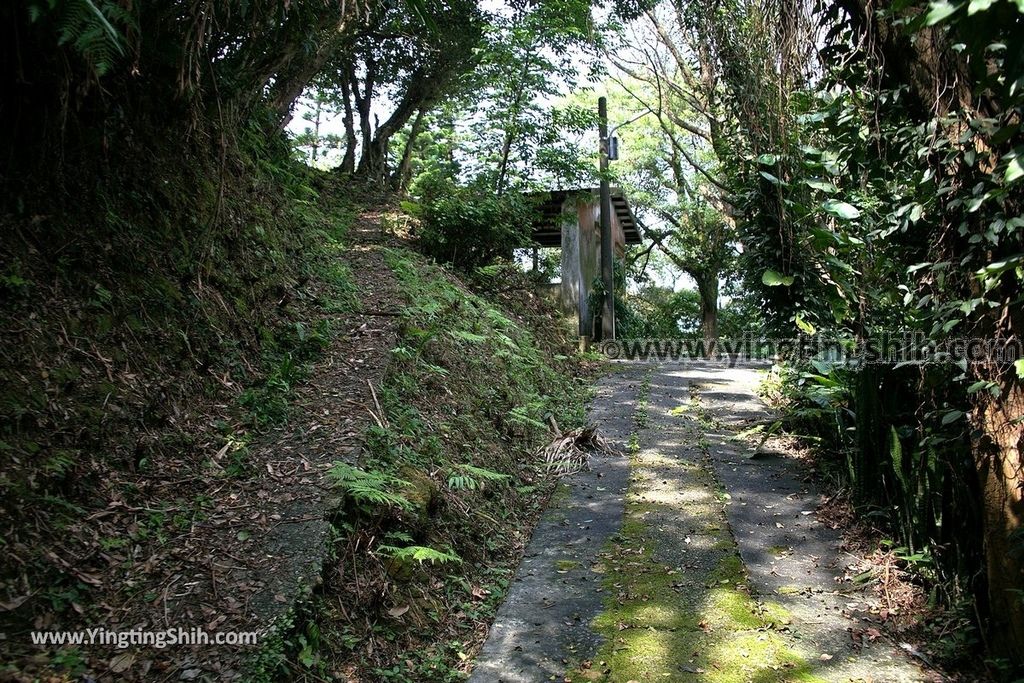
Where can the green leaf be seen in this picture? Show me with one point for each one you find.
(990, 387)
(821, 366)
(467, 336)
(918, 266)
(968, 306)
(1018, 365)
(774, 279)
(840, 209)
(772, 179)
(822, 185)
(976, 6)
(1014, 170)
(767, 159)
(420, 554)
(804, 326)
(952, 416)
(896, 456)
(940, 11)
(115, 37)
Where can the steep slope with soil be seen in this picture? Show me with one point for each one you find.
(325, 506)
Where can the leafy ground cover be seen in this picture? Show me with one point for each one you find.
(441, 501)
(429, 398)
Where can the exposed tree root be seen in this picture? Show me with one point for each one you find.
(569, 452)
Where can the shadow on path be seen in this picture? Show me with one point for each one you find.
(688, 561)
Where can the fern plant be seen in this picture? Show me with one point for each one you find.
(523, 416)
(87, 26)
(419, 554)
(470, 478)
(467, 336)
(369, 490)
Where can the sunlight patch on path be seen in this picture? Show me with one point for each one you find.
(680, 564)
(792, 560)
(678, 605)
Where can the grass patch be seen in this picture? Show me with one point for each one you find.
(659, 626)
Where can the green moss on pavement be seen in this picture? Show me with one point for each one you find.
(665, 623)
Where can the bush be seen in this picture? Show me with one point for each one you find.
(469, 229)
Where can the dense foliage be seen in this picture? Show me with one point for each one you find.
(472, 228)
(839, 168)
(878, 187)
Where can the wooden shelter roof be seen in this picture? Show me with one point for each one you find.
(547, 229)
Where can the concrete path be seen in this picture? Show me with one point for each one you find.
(546, 617)
(685, 559)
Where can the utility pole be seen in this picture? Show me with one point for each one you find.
(607, 269)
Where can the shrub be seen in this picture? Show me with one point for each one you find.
(469, 228)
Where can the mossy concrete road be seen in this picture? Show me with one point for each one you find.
(685, 559)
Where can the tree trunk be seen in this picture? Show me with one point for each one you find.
(286, 77)
(316, 129)
(373, 165)
(506, 146)
(348, 162)
(363, 104)
(422, 93)
(938, 82)
(707, 288)
(402, 175)
(289, 88)
(920, 63)
(997, 440)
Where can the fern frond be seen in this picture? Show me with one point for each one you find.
(469, 477)
(420, 554)
(483, 473)
(466, 336)
(87, 26)
(369, 489)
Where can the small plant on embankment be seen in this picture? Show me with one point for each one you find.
(440, 503)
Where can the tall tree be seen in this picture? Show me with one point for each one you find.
(526, 64)
(403, 66)
(889, 171)
(319, 109)
(663, 76)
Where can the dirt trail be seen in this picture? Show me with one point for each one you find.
(262, 548)
(687, 560)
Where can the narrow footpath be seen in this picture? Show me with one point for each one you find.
(685, 559)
